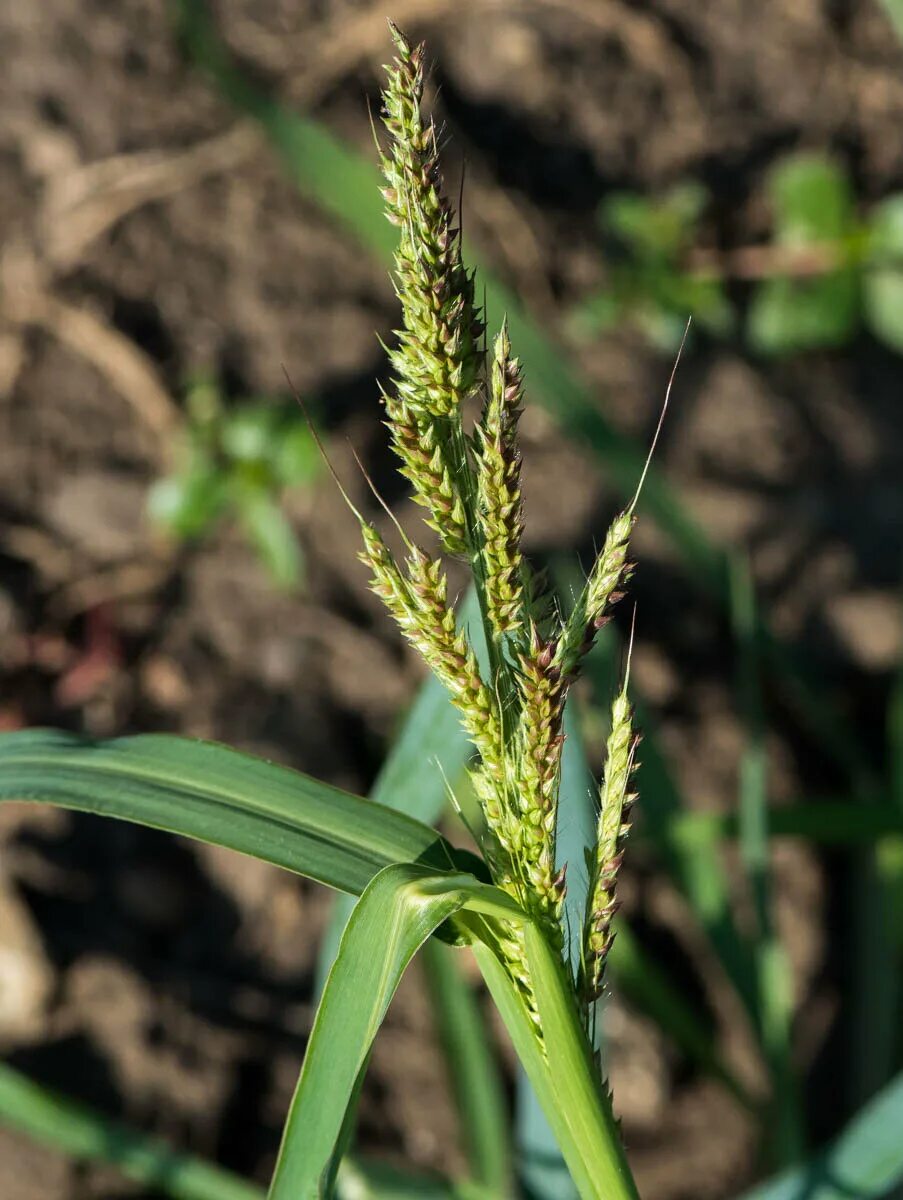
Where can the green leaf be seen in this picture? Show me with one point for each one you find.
(865, 1162)
(248, 433)
(84, 1134)
(206, 791)
(790, 314)
(187, 503)
(825, 822)
(774, 1009)
(270, 534)
(644, 983)
(397, 912)
(429, 755)
(883, 283)
(812, 200)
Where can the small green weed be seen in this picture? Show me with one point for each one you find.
(235, 464)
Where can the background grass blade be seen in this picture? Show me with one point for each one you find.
(652, 992)
(206, 791)
(395, 915)
(473, 1070)
(362, 1179)
(825, 822)
(784, 1130)
(79, 1131)
(87, 1135)
(864, 1163)
(694, 863)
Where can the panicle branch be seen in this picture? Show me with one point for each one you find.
(500, 504)
(615, 800)
(436, 359)
(592, 610)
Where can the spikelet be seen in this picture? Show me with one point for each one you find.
(500, 505)
(615, 802)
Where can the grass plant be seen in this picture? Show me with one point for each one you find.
(536, 906)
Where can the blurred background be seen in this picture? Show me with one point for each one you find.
(188, 210)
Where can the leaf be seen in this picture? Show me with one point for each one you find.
(644, 983)
(206, 791)
(248, 433)
(825, 822)
(883, 283)
(397, 912)
(187, 503)
(785, 1129)
(270, 534)
(84, 1134)
(864, 1163)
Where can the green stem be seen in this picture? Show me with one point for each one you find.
(561, 1067)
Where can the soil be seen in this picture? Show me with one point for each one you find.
(171, 984)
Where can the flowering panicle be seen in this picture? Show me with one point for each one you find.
(499, 501)
(513, 708)
(615, 800)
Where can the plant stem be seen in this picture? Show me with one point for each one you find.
(561, 1068)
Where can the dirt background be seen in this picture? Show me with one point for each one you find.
(147, 236)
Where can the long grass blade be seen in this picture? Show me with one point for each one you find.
(85, 1134)
(473, 1070)
(774, 1010)
(398, 911)
(203, 790)
(363, 1179)
(824, 822)
(864, 1163)
(89, 1136)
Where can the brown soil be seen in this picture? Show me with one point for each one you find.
(171, 984)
